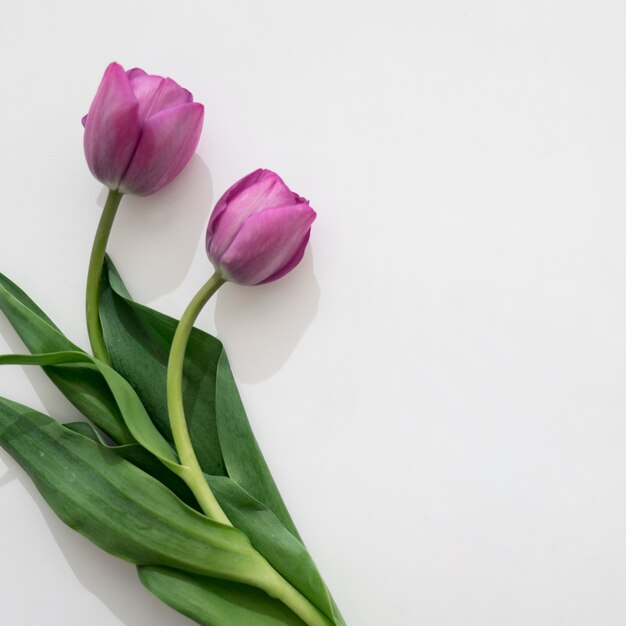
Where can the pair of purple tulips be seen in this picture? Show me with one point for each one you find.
(140, 133)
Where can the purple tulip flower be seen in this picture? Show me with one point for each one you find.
(258, 230)
(141, 130)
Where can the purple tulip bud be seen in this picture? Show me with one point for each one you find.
(141, 130)
(258, 230)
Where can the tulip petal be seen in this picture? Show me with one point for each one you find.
(223, 202)
(168, 141)
(155, 93)
(292, 262)
(260, 190)
(112, 127)
(268, 245)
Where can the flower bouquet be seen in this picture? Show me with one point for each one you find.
(166, 473)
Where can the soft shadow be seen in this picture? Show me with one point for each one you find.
(155, 238)
(7, 477)
(261, 326)
(112, 580)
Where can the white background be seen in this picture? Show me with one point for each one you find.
(439, 388)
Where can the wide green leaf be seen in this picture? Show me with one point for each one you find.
(136, 334)
(118, 506)
(132, 410)
(268, 535)
(213, 602)
(140, 457)
(138, 339)
(242, 455)
(13, 290)
(81, 383)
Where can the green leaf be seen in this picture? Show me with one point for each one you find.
(139, 339)
(82, 383)
(212, 602)
(133, 412)
(11, 289)
(136, 334)
(266, 533)
(242, 455)
(285, 553)
(118, 506)
(144, 460)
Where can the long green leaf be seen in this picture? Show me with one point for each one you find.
(81, 383)
(213, 602)
(139, 339)
(10, 288)
(136, 334)
(242, 455)
(133, 412)
(116, 505)
(144, 460)
(268, 535)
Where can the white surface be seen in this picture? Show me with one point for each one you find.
(440, 387)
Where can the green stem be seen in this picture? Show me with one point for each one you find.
(299, 604)
(193, 475)
(96, 263)
(268, 579)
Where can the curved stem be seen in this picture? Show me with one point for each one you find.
(268, 578)
(96, 262)
(299, 604)
(193, 475)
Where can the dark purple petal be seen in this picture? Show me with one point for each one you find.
(168, 141)
(155, 93)
(112, 127)
(292, 262)
(258, 191)
(233, 190)
(269, 242)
